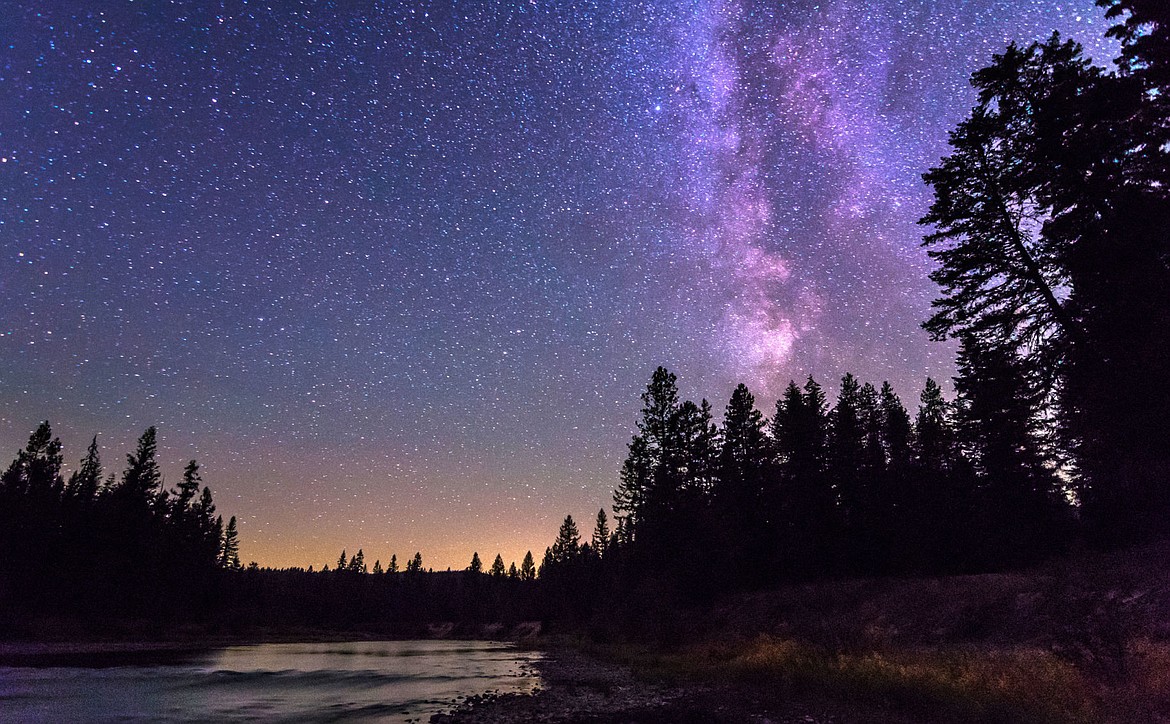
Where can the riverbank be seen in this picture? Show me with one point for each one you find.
(580, 686)
(1083, 639)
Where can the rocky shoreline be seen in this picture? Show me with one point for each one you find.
(579, 688)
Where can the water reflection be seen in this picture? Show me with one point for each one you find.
(390, 681)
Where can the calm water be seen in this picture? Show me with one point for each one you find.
(384, 681)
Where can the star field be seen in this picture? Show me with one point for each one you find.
(397, 275)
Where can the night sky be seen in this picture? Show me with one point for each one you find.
(396, 276)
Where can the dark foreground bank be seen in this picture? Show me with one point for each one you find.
(1081, 639)
(581, 687)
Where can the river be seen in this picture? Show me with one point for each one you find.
(367, 681)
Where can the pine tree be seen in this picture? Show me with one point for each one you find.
(1019, 496)
(1051, 215)
(567, 546)
(847, 450)
(528, 568)
(648, 479)
(342, 561)
(1001, 278)
(141, 479)
(547, 564)
(393, 563)
(933, 437)
(809, 525)
(209, 528)
(476, 566)
(85, 481)
(601, 534)
(512, 572)
(36, 472)
(357, 564)
(498, 570)
(377, 569)
(873, 460)
(229, 556)
(895, 424)
(188, 488)
(415, 565)
(744, 453)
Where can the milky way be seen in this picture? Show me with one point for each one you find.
(397, 275)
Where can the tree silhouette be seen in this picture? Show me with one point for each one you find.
(140, 482)
(1050, 218)
(528, 568)
(230, 553)
(567, 545)
(648, 481)
(1019, 496)
(476, 566)
(497, 569)
(84, 482)
(415, 565)
(847, 446)
(601, 534)
(743, 454)
(800, 431)
(189, 487)
(357, 564)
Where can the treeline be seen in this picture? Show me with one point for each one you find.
(357, 564)
(401, 604)
(855, 487)
(385, 600)
(97, 546)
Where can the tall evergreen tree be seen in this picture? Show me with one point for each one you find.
(799, 432)
(36, 472)
(210, 527)
(933, 435)
(601, 534)
(229, 556)
(1019, 496)
(847, 449)
(744, 453)
(895, 422)
(415, 565)
(476, 565)
(1050, 219)
(528, 568)
(85, 481)
(189, 487)
(357, 564)
(1001, 276)
(498, 569)
(745, 505)
(140, 482)
(567, 546)
(647, 479)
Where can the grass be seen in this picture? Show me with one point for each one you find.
(1085, 639)
(962, 684)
